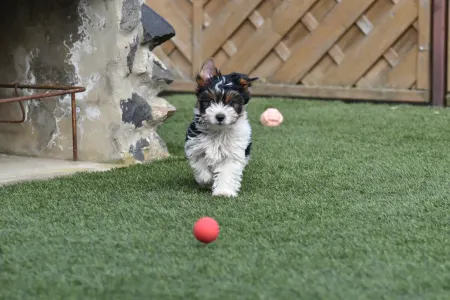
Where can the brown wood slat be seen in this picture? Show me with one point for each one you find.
(197, 37)
(241, 35)
(183, 29)
(391, 56)
(306, 92)
(295, 35)
(186, 7)
(176, 71)
(404, 74)
(230, 18)
(168, 47)
(267, 36)
(424, 7)
(181, 63)
(211, 10)
(360, 57)
(267, 8)
(374, 77)
(271, 63)
(322, 8)
(220, 58)
(378, 10)
(352, 36)
(314, 46)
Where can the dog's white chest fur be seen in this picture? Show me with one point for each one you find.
(218, 157)
(216, 146)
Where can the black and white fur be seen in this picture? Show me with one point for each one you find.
(219, 139)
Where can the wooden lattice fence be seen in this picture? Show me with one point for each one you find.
(353, 49)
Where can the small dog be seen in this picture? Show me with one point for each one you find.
(218, 141)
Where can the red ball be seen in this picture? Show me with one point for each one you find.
(206, 230)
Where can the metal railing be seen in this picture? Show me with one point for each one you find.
(59, 90)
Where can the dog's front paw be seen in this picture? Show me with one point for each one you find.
(205, 185)
(224, 193)
(204, 178)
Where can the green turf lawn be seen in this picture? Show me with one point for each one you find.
(343, 201)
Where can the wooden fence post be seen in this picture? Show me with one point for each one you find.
(439, 52)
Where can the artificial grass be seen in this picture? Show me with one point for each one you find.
(343, 201)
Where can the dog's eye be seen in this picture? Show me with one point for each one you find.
(233, 101)
(205, 104)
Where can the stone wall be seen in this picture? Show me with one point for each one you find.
(103, 45)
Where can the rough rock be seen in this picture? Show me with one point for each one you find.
(136, 110)
(132, 54)
(159, 73)
(156, 29)
(130, 15)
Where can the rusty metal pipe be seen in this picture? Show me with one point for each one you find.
(40, 86)
(21, 120)
(74, 128)
(62, 90)
(22, 109)
(42, 95)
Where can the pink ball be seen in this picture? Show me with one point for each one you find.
(206, 230)
(271, 117)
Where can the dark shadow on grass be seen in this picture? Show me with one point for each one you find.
(182, 182)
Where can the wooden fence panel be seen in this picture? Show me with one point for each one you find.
(365, 49)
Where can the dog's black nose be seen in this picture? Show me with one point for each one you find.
(220, 117)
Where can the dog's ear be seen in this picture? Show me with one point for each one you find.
(242, 80)
(208, 70)
(243, 83)
(246, 81)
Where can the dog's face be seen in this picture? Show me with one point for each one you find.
(221, 99)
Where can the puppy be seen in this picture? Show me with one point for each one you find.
(218, 140)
